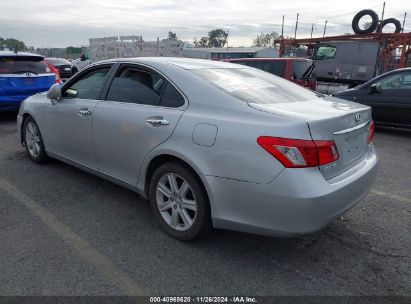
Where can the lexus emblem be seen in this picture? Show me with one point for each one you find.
(357, 117)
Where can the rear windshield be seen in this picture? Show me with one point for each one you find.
(58, 61)
(254, 86)
(303, 69)
(273, 67)
(23, 64)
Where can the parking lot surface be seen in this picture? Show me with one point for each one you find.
(66, 232)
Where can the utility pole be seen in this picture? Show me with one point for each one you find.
(312, 30)
(383, 11)
(325, 27)
(403, 22)
(296, 26)
(282, 29)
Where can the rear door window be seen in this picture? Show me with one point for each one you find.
(406, 81)
(171, 98)
(136, 85)
(398, 81)
(23, 64)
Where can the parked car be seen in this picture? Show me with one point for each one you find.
(62, 65)
(210, 144)
(80, 63)
(22, 75)
(389, 95)
(298, 70)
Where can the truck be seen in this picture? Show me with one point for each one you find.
(343, 62)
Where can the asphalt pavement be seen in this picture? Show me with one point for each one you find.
(66, 232)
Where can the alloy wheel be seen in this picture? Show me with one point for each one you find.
(33, 139)
(176, 201)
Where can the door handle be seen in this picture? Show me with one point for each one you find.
(85, 112)
(158, 122)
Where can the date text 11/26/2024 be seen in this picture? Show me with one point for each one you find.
(205, 299)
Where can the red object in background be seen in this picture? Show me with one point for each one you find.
(56, 72)
(371, 134)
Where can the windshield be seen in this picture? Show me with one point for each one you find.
(274, 67)
(325, 52)
(58, 61)
(254, 86)
(23, 64)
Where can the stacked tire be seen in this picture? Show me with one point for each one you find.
(375, 25)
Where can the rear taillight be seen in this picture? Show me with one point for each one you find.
(56, 73)
(298, 153)
(371, 134)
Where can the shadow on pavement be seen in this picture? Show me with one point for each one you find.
(8, 116)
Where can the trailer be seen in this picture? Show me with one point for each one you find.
(345, 61)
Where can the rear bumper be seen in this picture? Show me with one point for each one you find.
(298, 201)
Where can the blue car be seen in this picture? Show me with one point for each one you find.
(22, 75)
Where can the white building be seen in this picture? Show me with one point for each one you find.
(132, 46)
(230, 53)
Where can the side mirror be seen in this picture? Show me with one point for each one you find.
(375, 88)
(54, 92)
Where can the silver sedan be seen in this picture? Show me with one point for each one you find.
(209, 144)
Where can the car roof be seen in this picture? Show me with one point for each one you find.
(402, 69)
(268, 59)
(58, 58)
(392, 72)
(10, 54)
(185, 63)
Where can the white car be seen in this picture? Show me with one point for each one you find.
(80, 63)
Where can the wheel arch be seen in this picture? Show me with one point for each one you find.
(159, 159)
(23, 119)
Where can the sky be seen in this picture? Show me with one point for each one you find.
(62, 23)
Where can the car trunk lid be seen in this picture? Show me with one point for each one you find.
(24, 85)
(329, 118)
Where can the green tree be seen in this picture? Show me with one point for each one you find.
(217, 38)
(12, 44)
(265, 40)
(172, 36)
(202, 43)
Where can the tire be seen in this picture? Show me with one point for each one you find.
(33, 141)
(185, 215)
(74, 71)
(394, 21)
(355, 22)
